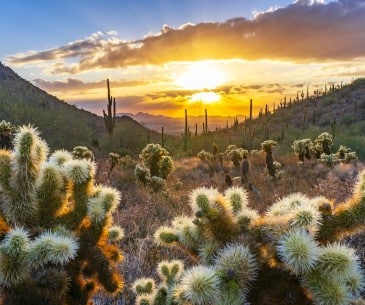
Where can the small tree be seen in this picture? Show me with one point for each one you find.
(57, 239)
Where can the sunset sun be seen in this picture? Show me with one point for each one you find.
(205, 97)
(199, 76)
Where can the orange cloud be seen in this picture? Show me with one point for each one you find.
(303, 31)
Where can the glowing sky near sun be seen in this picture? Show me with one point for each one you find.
(163, 56)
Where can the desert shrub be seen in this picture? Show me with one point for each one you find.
(56, 226)
(292, 251)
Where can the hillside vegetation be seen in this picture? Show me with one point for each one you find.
(61, 124)
(340, 111)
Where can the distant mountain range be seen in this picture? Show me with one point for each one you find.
(176, 125)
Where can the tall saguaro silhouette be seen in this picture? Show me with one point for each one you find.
(109, 118)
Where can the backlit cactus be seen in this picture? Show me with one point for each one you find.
(155, 168)
(302, 148)
(56, 227)
(236, 252)
(236, 154)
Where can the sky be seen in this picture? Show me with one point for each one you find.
(162, 56)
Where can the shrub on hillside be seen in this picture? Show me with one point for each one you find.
(57, 240)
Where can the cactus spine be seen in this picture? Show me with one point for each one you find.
(109, 118)
(55, 246)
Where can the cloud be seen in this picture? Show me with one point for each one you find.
(306, 30)
(72, 84)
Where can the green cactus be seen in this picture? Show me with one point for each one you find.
(6, 131)
(55, 227)
(324, 140)
(302, 148)
(236, 154)
(82, 152)
(156, 165)
(292, 251)
(345, 154)
(268, 146)
(109, 118)
(113, 160)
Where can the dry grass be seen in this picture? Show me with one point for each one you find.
(142, 211)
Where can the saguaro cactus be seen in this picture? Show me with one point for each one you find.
(290, 255)
(109, 118)
(56, 227)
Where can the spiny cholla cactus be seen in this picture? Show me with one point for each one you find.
(6, 131)
(56, 227)
(156, 165)
(82, 152)
(113, 160)
(268, 146)
(236, 154)
(237, 252)
(213, 160)
(345, 154)
(324, 140)
(302, 148)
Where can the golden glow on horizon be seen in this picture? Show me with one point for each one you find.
(205, 97)
(201, 75)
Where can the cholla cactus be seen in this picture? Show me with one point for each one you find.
(345, 154)
(302, 148)
(82, 152)
(6, 131)
(324, 140)
(156, 166)
(212, 160)
(268, 146)
(113, 160)
(236, 154)
(56, 227)
(152, 156)
(237, 252)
